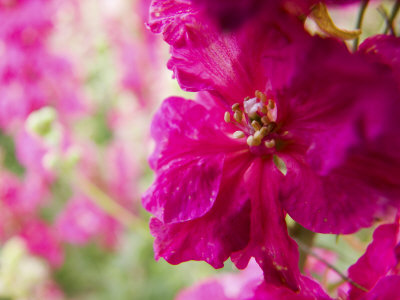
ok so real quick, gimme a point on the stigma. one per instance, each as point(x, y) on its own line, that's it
point(256, 119)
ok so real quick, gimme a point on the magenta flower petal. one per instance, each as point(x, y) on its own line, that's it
point(310, 291)
point(230, 13)
point(270, 244)
point(207, 290)
point(379, 259)
point(188, 153)
point(170, 18)
point(337, 102)
point(327, 203)
point(384, 49)
point(387, 288)
point(212, 237)
point(316, 135)
point(203, 58)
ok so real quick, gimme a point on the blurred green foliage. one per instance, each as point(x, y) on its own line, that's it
point(7, 149)
point(128, 272)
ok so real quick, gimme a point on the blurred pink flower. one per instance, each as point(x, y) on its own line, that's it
point(82, 221)
point(122, 174)
point(26, 23)
point(42, 240)
point(248, 285)
point(31, 75)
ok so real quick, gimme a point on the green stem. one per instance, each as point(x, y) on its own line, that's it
point(306, 237)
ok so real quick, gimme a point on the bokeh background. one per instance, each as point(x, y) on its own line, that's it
point(79, 83)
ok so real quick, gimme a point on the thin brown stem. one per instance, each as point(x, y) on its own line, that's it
point(109, 205)
point(390, 19)
point(360, 19)
point(386, 17)
point(308, 250)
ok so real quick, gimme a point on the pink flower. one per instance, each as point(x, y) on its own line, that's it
point(82, 221)
point(315, 136)
point(20, 199)
point(122, 174)
point(378, 269)
point(25, 22)
point(31, 75)
point(42, 240)
point(30, 151)
point(384, 49)
point(247, 284)
point(230, 14)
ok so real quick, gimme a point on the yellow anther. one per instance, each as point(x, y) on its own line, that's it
point(238, 116)
point(258, 136)
point(271, 127)
point(265, 120)
point(253, 141)
point(227, 117)
point(270, 115)
point(264, 110)
point(257, 139)
point(261, 96)
point(270, 143)
point(285, 133)
point(246, 98)
point(263, 131)
point(271, 104)
point(235, 106)
point(238, 134)
point(250, 140)
point(256, 125)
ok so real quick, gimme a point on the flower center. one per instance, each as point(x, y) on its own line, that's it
point(256, 119)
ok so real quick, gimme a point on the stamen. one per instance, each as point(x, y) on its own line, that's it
point(256, 120)
point(238, 134)
point(264, 109)
point(270, 143)
point(256, 125)
point(256, 140)
point(261, 96)
point(265, 120)
point(263, 131)
point(227, 117)
point(271, 104)
point(253, 141)
point(271, 127)
point(258, 135)
point(238, 116)
point(270, 115)
point(250, 140)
